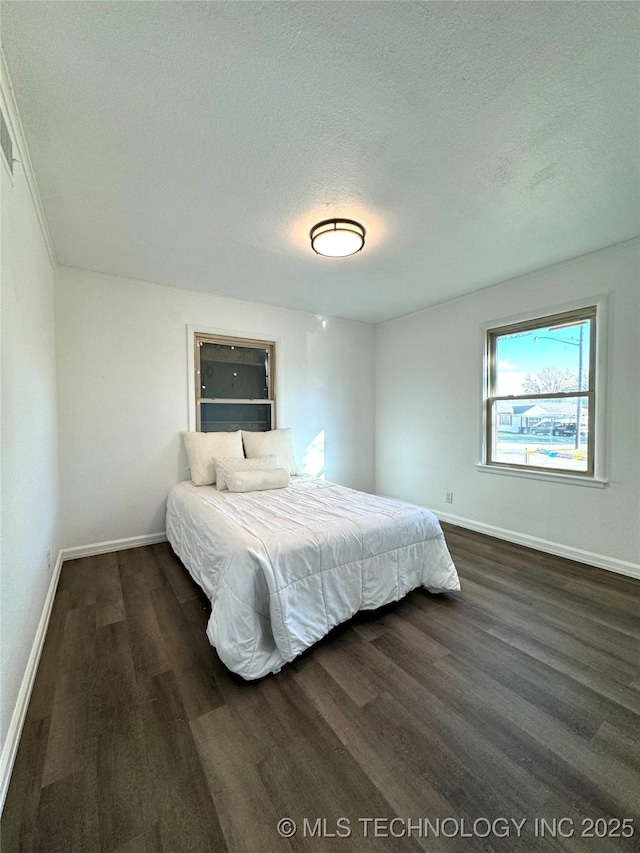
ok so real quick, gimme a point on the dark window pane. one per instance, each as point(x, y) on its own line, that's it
point(226, 417)
point(233, 372)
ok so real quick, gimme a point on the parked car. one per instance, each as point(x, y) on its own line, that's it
point(569, 429)
point(549, 427)
point(543, 428)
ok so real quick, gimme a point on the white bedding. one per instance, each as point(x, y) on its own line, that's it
point(283, 567)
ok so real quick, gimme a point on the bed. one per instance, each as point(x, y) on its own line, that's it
point(282, 567)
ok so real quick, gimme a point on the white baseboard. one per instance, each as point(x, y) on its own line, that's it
point(620, 567)
point(113, 545)
point(10, 747)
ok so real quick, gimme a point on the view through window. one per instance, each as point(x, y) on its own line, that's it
point(540, 399)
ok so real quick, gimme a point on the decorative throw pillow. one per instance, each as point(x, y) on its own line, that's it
point(203, 446)
point(224, 467)
point(258, 481)
point(278, 441)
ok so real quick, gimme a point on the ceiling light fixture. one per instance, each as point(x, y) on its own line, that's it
point(337, 238)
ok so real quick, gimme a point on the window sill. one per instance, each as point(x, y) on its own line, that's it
point(548, 476)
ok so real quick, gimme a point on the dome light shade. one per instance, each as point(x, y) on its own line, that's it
point(337, 238)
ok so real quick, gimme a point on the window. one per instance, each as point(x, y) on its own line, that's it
point(540, 400)
point(234, 382)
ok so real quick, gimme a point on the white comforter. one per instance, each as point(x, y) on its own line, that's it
point(283, 567)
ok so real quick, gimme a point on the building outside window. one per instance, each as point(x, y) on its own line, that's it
point(541, 393)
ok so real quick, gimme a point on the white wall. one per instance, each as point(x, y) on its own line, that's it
point(428, 401)
point(29, 464)
point(122, 392)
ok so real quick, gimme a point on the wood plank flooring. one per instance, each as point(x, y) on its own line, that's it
point(518, 698)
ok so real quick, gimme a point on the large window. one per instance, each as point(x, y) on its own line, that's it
point(540, 400)
point(234, 384)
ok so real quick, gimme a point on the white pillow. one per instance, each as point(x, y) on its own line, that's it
point(203, 446)
point(224, 467)
point(258, 481)
point(278, 441)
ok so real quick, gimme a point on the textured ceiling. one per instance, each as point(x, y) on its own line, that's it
point(194, 144)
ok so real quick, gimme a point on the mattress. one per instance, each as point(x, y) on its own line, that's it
point(282, 567)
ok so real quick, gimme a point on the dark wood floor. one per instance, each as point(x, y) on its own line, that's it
point(517, 698)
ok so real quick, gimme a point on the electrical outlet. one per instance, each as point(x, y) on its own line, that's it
point(449, 497)
point(49, 558)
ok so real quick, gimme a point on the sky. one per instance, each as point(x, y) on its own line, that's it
point(520, 354)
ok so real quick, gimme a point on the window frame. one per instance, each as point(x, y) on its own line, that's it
point(198, 337)
point(592, 311)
